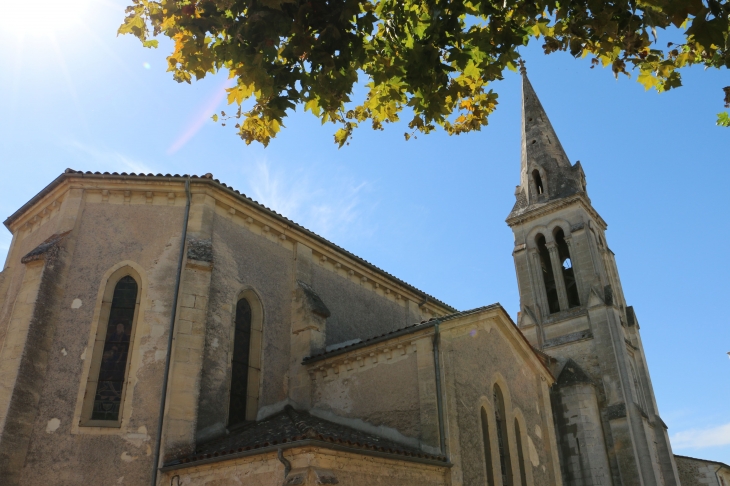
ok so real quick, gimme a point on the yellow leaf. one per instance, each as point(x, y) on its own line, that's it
point(240, 93)
point(648, 80)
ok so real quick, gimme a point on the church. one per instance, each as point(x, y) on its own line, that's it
point(169, 330)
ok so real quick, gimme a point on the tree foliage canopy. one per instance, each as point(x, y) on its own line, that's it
point(433, 58)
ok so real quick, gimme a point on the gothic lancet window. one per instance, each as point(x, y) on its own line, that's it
point(520, 454)
point(505, 463)
point(487, 448)
point(538, 181)
point(566, 264)
point(547, 275)
point(110, 362)
point(240, 364)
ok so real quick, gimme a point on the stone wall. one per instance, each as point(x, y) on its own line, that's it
point(107, 234)
point(384, 394)
point(358, 311)
point(479, 353)
point(244, 260)
point(697, 472)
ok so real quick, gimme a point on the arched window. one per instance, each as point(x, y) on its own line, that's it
point(239, 369)
point(571, 288)
point(110, 359)
point(538, 181)
point(505, 462)
point(520, 454)
point(547, 275)
point(487, 448)
point(245, 360)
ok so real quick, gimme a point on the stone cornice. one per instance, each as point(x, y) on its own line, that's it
point(552, 206)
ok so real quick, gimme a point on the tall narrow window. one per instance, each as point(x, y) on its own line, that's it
point(240, 362)
point(110, 359)
point(505, 463)
point(566, 264)
point(547, 275)
point(520, 454)
point(487, 448)
point(538, 181)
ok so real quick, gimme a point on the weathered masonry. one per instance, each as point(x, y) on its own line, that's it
point(168, 330)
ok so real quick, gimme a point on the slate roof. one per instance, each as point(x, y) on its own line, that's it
point(208, 178)
point(398, 332)
point(292, 428)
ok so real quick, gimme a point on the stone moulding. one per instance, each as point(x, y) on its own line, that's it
point(553, 206)
point(568, 338)
point(46, 250)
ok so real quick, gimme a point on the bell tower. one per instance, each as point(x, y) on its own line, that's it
point(572, 309)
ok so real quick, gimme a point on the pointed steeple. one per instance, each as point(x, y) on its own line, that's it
point(546, 172)
point(539, 141)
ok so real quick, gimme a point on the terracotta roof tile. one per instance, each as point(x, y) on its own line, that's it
point(294, 426)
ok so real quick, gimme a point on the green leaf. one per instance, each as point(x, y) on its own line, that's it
point(723, 119)
point(432, 58)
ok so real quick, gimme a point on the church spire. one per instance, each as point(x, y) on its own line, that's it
point(539, 140)
point(546, 173)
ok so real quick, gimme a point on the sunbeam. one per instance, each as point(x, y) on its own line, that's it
point(42, 17)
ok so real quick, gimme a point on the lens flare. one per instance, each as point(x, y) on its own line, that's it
point(41, 18)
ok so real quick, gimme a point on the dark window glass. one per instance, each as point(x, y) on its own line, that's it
point(547, 275)
point(571, 288)
point(487, 448)
point(110, 385)
point(239, 373)
point(538, 181)
point(520, 455)
point(504, 460)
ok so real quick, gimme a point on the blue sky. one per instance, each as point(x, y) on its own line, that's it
point(431, 210)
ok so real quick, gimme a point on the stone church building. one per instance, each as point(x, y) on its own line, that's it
point(168, 330)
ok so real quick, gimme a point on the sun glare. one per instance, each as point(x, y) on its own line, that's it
point(41, 18)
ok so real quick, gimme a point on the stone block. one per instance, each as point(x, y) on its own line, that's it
point(201, 302)
point(192, 314)
point(187, 300)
